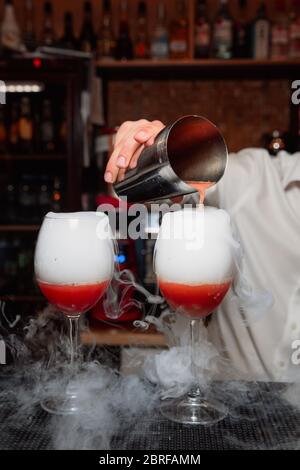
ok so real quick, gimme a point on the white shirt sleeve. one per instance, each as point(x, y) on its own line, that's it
point(243, 170)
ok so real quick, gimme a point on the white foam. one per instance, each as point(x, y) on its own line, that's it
point(195, 246)
point(74, 248)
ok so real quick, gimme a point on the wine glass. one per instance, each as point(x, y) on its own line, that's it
point(74, 263)
point(194, 265)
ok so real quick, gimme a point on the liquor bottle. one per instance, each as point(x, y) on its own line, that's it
point(13, 131)
point(29, 37)
point(28, 198)
point(48, 35)
point(223, 33)
point(202, 31)
point(3, 131)
point(44, 196)
point(276, 143)
point(160, 38)
point(87, 38)
point(241, 33)
point(11, 202)
point(106, 44)
point(295, 30)
point(68, 40)
point(57, 195)
point(261, 35)
point(25, 126)
point(10, 31)
point(124, 47)
point(280, 33)
point(179, 33)
point(62, 132)
point(141, 43)
point(47, 137)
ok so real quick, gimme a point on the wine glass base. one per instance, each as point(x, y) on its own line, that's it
point(61, 406)
point(193, 410)
point(67, 403)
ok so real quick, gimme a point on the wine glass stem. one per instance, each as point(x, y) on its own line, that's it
point(194, 331)
point(74, 341)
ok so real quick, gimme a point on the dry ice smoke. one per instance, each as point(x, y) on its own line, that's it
point(115, 305)
point(111, 405)
point(57, 258)
point(115, 404)
point(121, 409)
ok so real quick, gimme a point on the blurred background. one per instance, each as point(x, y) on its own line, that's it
point(75, 70)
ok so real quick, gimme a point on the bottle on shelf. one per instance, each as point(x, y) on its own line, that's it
point(87, 38)
point(57, 195)
point(28, 207)
point(105, 47)
point(11, 198)
point(241, 33)
point(280, 33)
point(261, 34)
point(25, 126)
point(276, 143)
point(68, 40)
point(29, 36)
point(3, 131)
point(47, 134)
point(223, 33)
point(62, 132)
point(13, 129)
point(141, 44)
point(295, 30)
point(202, 31)
point(160, 37)
point(48, 35)
point(179, 33)
point(10, 30)
point(124, 46)
point(44, 196)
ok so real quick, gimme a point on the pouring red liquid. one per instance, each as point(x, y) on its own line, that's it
point(73, 299)
point(201, 187)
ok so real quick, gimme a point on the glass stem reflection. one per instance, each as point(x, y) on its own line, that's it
point(74, 342)
point(195, 333)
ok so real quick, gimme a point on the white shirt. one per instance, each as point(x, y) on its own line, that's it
point(262, 195)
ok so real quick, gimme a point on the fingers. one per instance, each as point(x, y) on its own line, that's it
point(144, 134)
point(121, 175)
point(127, 149)
point(136, 156)
point(149, 132)
point(131, 139)
point(112, 169)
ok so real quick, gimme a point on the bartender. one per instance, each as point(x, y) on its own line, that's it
point(262, 195)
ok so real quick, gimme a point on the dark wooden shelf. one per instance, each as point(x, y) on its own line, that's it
point(34, 157)
point(19, 228)
point(199, 69)
point(197, 63)
point(122, 335)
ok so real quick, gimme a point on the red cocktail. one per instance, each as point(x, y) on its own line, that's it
point(195, 267)
point(73, 299)
point(196, 301)
point(74, 263)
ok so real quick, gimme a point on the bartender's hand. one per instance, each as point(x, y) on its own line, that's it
point(131, 139)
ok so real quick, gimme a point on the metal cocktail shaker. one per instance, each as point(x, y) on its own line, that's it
point(191, 149)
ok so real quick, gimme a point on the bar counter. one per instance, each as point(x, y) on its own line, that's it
point(264, 421)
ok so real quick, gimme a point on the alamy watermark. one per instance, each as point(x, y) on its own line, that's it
point(296, 354)
point(2, 352)
point(138, 221)
point(2, 92)
point(296, 93)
